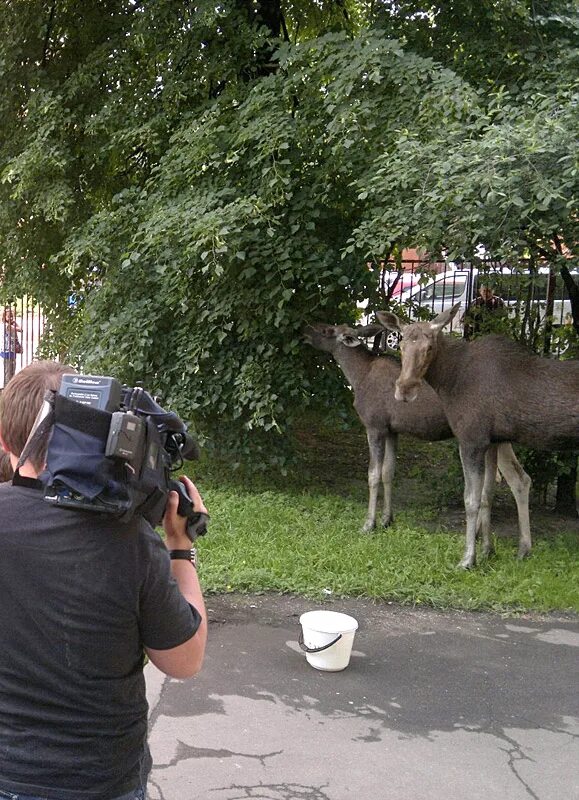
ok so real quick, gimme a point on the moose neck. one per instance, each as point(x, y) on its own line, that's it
point(353, 362)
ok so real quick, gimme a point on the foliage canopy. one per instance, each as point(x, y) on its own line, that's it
point(183, 186)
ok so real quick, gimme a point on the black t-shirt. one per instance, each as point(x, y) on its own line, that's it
point(80, 594)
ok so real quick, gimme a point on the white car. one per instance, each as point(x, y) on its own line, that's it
point(449, 288)
point(444, 290)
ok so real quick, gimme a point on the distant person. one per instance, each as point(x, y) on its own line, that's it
point(12, 345)
point(479, 317)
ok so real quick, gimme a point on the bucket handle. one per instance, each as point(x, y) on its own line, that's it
point(307, 649)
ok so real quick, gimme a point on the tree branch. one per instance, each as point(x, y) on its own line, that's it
point(284, 28)
point(573, 292)
point(547, 254)
point(342, 6)
point(44, 60)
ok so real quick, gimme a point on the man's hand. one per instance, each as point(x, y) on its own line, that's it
point(184, 660)
point(175, 526)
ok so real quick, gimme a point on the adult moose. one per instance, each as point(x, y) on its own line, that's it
point(373, 380)
point(492, 390)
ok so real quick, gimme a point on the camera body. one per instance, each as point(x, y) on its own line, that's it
point(112, 449)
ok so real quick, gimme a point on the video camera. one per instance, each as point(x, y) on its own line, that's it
point(112, 449)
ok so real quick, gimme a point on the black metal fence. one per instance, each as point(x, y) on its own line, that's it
point(534, 302)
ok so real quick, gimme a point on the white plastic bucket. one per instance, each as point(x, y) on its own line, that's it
point(327, 638)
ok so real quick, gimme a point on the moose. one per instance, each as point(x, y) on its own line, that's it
point(373, 380)
point(492, 390)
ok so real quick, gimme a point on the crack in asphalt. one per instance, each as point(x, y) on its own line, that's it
point(516, 753)
point(277, 791)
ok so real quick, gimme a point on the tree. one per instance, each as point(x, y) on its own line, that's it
point(203, 186)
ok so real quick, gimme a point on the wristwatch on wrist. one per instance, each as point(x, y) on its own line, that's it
point(185, 555)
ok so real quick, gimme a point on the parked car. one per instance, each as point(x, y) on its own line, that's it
point(401, 280)
point(518, 289)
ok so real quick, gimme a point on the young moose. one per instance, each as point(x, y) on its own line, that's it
point(373, 379)
point(492, 390)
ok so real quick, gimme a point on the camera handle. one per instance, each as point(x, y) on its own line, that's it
point(196, 520)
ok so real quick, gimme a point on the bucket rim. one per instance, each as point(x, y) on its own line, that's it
point(335, 622)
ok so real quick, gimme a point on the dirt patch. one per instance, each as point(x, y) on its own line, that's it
point(276, 609)
point(428, 481)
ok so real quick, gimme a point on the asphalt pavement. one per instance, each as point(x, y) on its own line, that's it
point(432, 706)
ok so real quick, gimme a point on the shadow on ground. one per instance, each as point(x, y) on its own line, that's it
point(428, 481)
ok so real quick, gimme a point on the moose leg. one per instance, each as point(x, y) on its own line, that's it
point(388, 469)
point(486, 503)
point(473, 466)
point(376, 442)
point(520, 485)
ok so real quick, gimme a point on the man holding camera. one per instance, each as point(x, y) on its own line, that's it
point(85, 597)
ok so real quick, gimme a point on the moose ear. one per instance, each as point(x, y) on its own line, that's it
point(365, 331)
point(349, 339)
point(390, 321)
point(442, 320)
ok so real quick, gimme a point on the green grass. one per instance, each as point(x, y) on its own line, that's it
point(300, 533)
point(310, 545)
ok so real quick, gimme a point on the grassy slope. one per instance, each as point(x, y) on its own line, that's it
point(301, 533)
